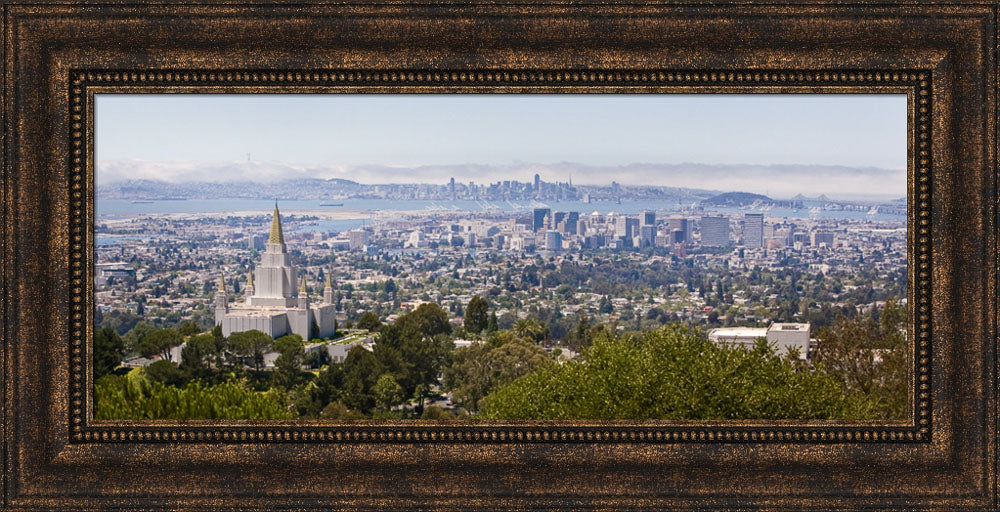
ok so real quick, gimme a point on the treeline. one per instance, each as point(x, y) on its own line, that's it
point(860, 370)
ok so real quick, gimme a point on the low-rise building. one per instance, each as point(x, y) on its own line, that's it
point(782, 336)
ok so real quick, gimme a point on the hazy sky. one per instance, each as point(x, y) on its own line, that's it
point(411, 130)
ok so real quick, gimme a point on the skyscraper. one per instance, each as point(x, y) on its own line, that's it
point(753, 230)
point(553, 241)
point(648, 218)
point(714, 231)
point(451, 186)
point(539, 217)
point(538, 182)
point(676, 222)
point(572, 223)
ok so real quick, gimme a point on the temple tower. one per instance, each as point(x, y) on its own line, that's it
point(275, 280)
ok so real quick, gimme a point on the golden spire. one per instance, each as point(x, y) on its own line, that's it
point(222, 283)
point(276, 236)
point(250, 277)
point(302, 289)
point(329, 283)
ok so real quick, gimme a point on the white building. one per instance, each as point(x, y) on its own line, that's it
point(416, 240)
point(272, 304)
point(782, 336)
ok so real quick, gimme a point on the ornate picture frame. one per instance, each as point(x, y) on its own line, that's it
point(56, 57)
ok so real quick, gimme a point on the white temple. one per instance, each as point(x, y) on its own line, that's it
point(272, 305)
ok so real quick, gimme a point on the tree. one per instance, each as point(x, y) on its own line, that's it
point(166, 372)
point(531, 329)
point(491, 325)
point(188, 328)
point(291, 357)
point(109, 348)
point(159, 342)
point(136, 397)
point(605, 306)
point(428, 319)
point(674, 373)
point(413, 358)
point(478, 369)
point(388, 392)
point(870, 356)
point(198, 353)
point(134, 336)
point(250, 346)
point(369, 321)
point(360, 373)
point(476, 318)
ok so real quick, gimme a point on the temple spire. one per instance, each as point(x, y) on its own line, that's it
point(222, 283)
point(329, 282)
point(277, 237)
point(302, 289)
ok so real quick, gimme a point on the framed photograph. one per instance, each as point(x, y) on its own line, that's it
point(470, 255)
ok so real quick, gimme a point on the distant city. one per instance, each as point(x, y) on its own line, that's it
point(447, 243)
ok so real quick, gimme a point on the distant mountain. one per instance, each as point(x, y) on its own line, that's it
point(288, 189)
point(782, 181)
point(736, 199)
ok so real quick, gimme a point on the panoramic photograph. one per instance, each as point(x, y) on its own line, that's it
point(482, 257)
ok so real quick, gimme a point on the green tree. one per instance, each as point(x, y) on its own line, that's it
point(413, 358)
point(198, 354)
point(531, 329)
point(291, 356)
point(673, 373)
point(491, 325)
point(135, 335)
point(188, 328)
point(360, 373)
point(388, 392)
point(136, 397)
point(478, 369)
point(870, 356)
point(250, 346)
point(428, 319)
point(476, 315)
point(159, 342)
point(369, 321)
point(605, 306)
point(109, 348)
point(166, 372)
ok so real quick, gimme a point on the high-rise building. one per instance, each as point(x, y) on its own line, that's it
point(553, 241)
point(753, 230)
point(557, 218)
point(451, 186)
point(572, 223)
point(539, 217)
point(633, 226)
point(648, 235)
point(358, 238)
point(538, 183)
point(822, 237)
point(626, 227)
point(714, 231)
point(255, 242)
point(676, 222)
point(648, 218)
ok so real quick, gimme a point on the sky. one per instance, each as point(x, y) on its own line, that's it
point(175, 133)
